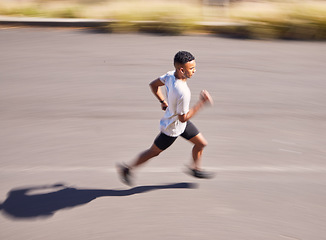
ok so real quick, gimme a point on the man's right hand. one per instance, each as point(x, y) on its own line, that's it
point(164, 105)
point(206, 97)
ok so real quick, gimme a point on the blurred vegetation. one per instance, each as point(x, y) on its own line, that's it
point(287, 19)
point(282, 19)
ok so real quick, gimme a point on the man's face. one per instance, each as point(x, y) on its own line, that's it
point(189, 69)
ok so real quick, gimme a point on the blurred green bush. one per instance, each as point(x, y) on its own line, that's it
point(272, 19)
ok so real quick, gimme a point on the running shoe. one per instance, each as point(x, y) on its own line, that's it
point(201, 174)
point(125, 174)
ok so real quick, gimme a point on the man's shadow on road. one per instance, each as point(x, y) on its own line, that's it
point(21, 203)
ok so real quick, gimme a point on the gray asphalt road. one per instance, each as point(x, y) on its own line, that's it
point(74, 103)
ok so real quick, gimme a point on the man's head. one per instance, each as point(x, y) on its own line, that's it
point(185, 65)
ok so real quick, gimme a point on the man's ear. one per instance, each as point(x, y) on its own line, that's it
point(182, 70)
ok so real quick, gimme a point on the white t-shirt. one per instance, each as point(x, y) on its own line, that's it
point(178, 99)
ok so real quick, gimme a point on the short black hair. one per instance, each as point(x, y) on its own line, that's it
point(183, 57)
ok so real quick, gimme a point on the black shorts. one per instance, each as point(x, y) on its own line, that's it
point(163, 141)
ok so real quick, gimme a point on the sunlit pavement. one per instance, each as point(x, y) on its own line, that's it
point(73, 104)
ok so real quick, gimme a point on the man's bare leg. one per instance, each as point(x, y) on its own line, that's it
point(153, 151)
point(125, 170)
point(197, 151)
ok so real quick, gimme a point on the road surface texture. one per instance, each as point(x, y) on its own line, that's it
point(74, 103)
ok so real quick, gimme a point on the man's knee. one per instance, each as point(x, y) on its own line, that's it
point(205, 143)
point(199, 141)
point(202, 144)
point(155, 151)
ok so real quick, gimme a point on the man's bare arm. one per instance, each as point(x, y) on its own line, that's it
point(204, 97)
point(155, 87)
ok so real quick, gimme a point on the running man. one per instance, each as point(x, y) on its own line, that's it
point(175, 121)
